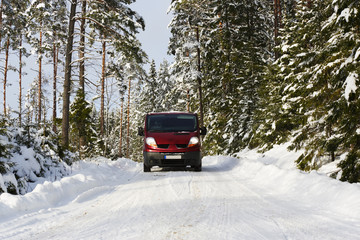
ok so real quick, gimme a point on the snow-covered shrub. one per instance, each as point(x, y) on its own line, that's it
point(31, 157)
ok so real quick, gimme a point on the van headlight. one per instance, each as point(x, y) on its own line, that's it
point(151, 142)
point(193, 141)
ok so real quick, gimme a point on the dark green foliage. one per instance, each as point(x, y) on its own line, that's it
point(304, 162)
point(332, 115)
point(82, 126)
point(3, 168)
point(351, 168)
point(11, 188)
point(332, 145)
point(3, 149)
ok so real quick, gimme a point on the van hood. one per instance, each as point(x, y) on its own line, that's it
point(171, 137)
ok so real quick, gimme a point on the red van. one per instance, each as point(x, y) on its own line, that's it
point(172, 139)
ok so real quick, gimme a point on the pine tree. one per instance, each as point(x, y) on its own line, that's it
point(333, 124)
point(317, 94)
point(313, 92)
point(183, 45)
point(150, 91)
point(276, 118)
point(233, 44)
point(157, 93)
point(244, 69)
point(346, 80)
point(166, 98)
point(81, 122)
point(151, 88)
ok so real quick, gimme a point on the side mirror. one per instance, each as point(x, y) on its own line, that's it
point(203, 131)
point(141, 131)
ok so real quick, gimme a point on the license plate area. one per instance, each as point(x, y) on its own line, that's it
point(173, 157)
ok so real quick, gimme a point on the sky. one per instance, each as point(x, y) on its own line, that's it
point(155, 38)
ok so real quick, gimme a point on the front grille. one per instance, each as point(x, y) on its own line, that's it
point(173, 161)
point(164, 146)
point(181, 145)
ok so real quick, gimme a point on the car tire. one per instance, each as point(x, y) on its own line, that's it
point(146, 168)
point(197, 168)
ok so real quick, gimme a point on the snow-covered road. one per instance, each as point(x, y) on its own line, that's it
point(250, 197)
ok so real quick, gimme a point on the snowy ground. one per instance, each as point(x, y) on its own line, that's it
point(253, 196)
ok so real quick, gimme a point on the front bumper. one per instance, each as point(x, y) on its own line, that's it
point(163, 159)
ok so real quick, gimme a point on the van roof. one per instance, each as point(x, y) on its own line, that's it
point(169, 113)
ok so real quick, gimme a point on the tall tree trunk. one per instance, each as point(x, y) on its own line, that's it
point(67, 80)
point(5, 72)
point(121, 131)
point(1, 9)
point(277, 24)
point(128, 122)
point(55, 68)
point(102, 108)
point(20, 82)
point(82, 138)
point(199, 79)
point(82, 48)
point(188, 100)
point(40, 80)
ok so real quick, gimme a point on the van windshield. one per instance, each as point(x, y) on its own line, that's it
point(171, 123)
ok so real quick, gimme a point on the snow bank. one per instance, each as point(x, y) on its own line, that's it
point(276, 167)
point(86, 180)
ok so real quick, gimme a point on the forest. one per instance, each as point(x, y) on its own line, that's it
point(258, 73)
